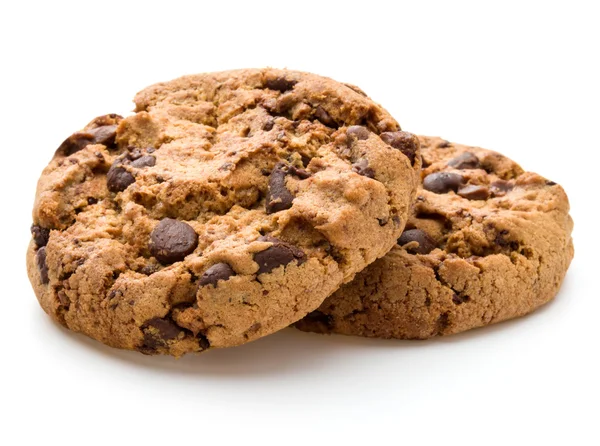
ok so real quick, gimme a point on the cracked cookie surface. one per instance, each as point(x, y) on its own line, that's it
point(486, 242)
point(227, 207)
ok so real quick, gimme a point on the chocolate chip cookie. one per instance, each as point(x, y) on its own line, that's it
point(228, 206)
point(486, 242)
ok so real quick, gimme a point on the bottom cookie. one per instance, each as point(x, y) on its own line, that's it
point(486, 242)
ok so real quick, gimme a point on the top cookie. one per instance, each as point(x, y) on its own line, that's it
point(486, 242)
point(229, 206)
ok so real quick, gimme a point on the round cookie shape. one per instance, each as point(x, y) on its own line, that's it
point(486, 242)
point(229, 206)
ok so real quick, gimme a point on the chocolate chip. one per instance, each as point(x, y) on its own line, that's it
point(172, 240)
point(500, 188)
point(118, 179)
point(550, 183)
point(157, 331)
point(268, 125)
point(465, 160)
point(358, 132)
point(361, 167)
point(442, 182)
point(106, 120)
point(279, 253)
point(426, 243)
point(300, 173)
point(133, 153)
point(104, 135)
point(406, 142)
point(474, 192)
point(325, 118)
point(75, 143)
point(280, 84)
point(167, 329)
point(92, 200)
point(144, 161)
point(63, 298)
point(502, 240)
point(444, 144)
point(150, 269)
point(40, 235)
point(40, 259)
point(115, 294)
point(219, 271)
point(279, 198)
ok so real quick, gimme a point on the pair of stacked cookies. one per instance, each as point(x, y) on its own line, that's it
point(234, 204)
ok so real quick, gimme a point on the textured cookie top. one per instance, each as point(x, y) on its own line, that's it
point(229, 205)
point(475, 202)
point(486, 241)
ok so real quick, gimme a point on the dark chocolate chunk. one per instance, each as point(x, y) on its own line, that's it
point(474, 192)
point(40, 259)
point(63, 298)
point(75, 143)
point(444, 144)
point(268, 125)
point(503, 241)
point(166, 329)
point(150, 269)
point(465, 160)
point(500, 188)
point(172, 240)
point(219, 271)
point(106, 120)
point(101, 134)
point(279, 253)
point(324, 117)
point(358, 132)
point(300, 173)
point(144, 161)
point(279, 198)
point(104, 135)
point(92, 200)
point(550, 183)
point(133, 153)
point(280, 84)
point(426, 243)
point(361, 167)
point(157, 332)
point(406, 142)
point(118, 179)
point(40, 235)
point(442, 182)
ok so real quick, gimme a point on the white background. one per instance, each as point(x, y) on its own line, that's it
point(521, 78)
